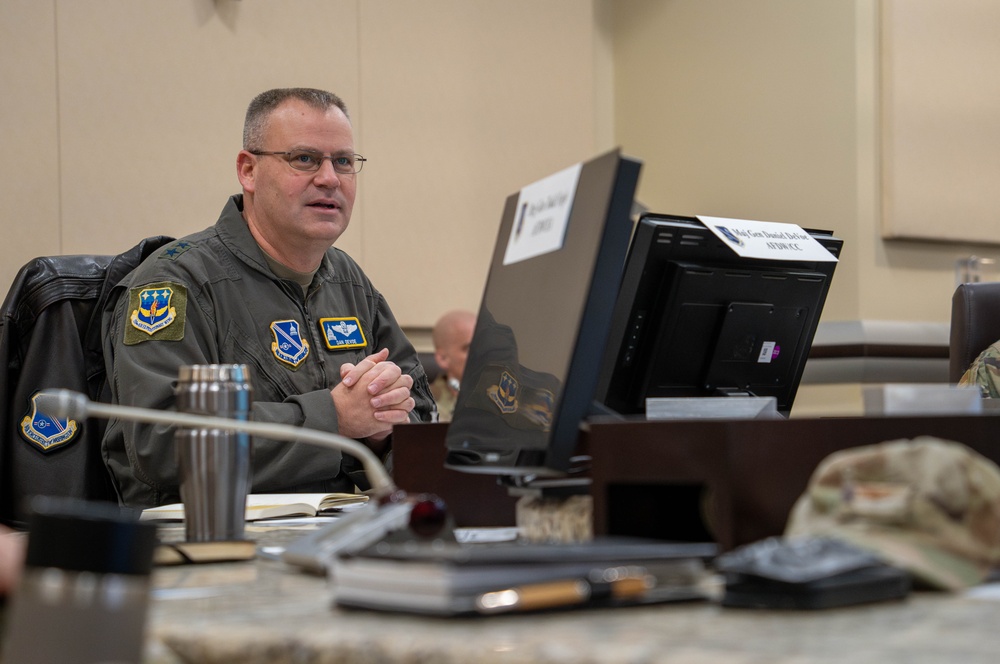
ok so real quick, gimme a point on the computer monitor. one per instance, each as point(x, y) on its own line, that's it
point(696, 319)
point(543, 323)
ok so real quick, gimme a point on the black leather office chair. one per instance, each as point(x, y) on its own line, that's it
point(430, 365)
point(975, 324)
point(50, 336)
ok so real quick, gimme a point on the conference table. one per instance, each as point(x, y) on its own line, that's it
point(262, 610)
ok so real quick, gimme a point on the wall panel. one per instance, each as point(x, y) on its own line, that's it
point(464, 103)
point(29, 169)
point(152, 98)
point(941, 120)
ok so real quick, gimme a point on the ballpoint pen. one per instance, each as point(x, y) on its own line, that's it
point(616, 583)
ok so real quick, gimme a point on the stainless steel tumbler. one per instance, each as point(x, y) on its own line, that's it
point(214, 464)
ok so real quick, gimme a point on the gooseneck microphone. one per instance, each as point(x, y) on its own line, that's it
point(390, 510)
point(67, 404)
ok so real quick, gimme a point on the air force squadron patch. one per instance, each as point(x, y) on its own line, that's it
point(537, 407)
point(288, 345)
point(504, 394)
point(47, 432)
point(341, 333)
point(156, 312)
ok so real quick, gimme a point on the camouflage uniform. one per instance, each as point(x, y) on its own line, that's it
point(444, 398)
point(219, 302)
point(984, 372)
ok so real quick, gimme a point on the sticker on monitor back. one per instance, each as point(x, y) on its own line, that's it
point(542, 215)
point(769, 351)
point(768, 239)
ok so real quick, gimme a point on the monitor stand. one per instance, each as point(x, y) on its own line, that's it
point(554, 509)
point(730, 404)
point(603, 411)
point(548, 487)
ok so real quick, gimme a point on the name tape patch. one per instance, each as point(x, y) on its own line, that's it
point(341, 333)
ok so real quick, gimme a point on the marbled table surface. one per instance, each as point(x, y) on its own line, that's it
point(262, 611)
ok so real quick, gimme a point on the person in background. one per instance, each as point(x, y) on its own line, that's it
point(266, 288)
point(452, 335)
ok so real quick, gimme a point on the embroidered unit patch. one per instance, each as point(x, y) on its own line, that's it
point(154, 311)
point(538, 408)
point(504, 395)
point(157, 312)
point(46, 432)
point(340, 333)
point(288, 345)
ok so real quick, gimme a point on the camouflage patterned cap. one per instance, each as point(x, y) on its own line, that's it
point(929, 506)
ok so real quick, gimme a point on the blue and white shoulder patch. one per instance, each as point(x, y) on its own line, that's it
point(288, 345)
point(46, 433)
point(504, 393)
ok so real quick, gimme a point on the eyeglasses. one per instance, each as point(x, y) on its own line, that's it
point(310, 161)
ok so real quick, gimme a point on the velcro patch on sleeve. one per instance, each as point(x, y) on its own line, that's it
point(156, 313)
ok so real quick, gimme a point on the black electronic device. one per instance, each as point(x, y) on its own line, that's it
point(807, 573)
point(696, 319)
point(543, 323)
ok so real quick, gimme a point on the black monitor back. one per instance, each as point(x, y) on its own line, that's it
point(693, 318)
point(543, 325)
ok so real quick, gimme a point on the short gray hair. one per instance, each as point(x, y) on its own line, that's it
point(260, 109)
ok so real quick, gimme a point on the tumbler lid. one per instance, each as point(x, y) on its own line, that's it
point(209, 373)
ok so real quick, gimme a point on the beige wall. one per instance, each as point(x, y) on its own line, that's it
point(29, 165)
point(772, 110)
point(940, 105)
point(122, 119)
point(747, 110)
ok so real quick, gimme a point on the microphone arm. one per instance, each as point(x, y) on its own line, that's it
point(67, 404)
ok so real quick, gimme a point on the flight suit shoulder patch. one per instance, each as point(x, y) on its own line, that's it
point(156, 312)
point(44, 431)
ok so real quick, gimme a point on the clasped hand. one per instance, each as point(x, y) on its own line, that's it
point(372, 395)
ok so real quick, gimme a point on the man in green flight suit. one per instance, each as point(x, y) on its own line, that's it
point(265, 287)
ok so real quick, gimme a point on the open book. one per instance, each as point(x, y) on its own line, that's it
point(272, 506)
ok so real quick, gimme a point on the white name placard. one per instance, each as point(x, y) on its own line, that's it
point(768, 239)
point(542, 216)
